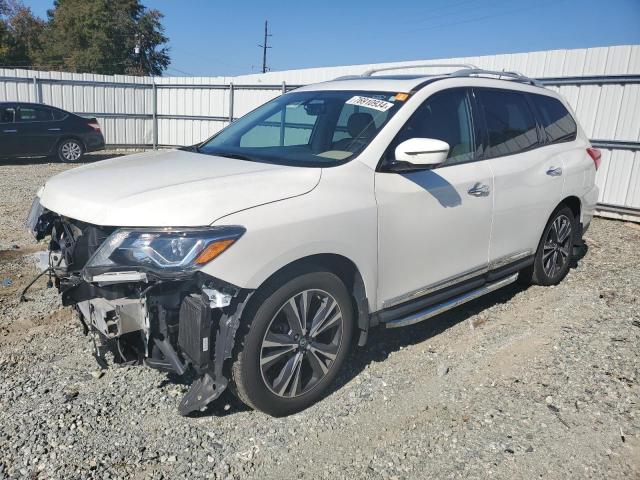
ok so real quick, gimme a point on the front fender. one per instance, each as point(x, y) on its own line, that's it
point(338, 217)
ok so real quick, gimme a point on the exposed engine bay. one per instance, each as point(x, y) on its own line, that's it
point(172, 322)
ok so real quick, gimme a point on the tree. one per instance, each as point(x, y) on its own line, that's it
point(20, 34)
point(149, 34)
point(106, 36)
point(5, 35)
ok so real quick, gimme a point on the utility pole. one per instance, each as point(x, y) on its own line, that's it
point(265, 46)
point(137, 49)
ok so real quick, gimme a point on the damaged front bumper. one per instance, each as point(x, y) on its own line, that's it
point(173, 328)
point(174, 323)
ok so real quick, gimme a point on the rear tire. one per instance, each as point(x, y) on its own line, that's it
point(284, 365)
point(555, 250)
point(70, 150)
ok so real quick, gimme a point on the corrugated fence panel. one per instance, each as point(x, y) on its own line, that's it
point(607, 112)
point(247, 100)
point(633, 194)
point(628, 121)
point(614, 175)
point(124, 105)
point(190, 133)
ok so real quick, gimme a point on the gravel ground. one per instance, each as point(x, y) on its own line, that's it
point(542, 382)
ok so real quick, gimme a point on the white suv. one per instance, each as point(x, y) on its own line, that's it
point(261, 255)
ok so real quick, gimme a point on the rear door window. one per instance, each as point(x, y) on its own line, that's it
point(34, 114)
point(559, 125)
point(510, 124)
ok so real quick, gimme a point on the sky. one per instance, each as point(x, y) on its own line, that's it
point(210, 37)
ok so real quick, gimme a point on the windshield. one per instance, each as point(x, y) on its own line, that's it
point(311, 129)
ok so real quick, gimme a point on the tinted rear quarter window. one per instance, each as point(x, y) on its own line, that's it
point(556, 120)
point(59, 114)
point(510, 124)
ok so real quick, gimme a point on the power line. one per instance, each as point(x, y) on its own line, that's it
point(481, 18)
point(180, 71)
point(265, 46)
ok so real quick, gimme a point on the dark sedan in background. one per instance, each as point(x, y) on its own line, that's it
point(36, 130)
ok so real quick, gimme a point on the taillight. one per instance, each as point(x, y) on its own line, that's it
point(93, 123)
point(595, 155)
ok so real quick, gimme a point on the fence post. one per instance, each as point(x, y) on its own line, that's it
point(155, 114)
point(231, 102)
point(36, 91)
point(284, 87)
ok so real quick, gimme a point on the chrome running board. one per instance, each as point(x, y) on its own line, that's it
point(452, 303)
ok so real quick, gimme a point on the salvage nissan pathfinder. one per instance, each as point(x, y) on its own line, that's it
point(259, 257)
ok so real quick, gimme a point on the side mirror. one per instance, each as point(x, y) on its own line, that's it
point(421, 153)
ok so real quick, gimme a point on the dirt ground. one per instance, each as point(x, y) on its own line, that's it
point(524, 383)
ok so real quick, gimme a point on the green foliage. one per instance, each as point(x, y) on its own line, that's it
point(97, 36)
point(20, 34)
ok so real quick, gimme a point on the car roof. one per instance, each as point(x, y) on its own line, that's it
point(412, 83)
point(31, 104)
point(378, 83)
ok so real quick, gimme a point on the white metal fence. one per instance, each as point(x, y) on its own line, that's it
point(602, 85)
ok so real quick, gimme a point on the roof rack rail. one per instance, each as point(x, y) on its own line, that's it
point(468, 66)
point(516, 76)
point(346, 77)
point(466, 70)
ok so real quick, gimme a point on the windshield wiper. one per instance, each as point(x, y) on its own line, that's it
point(237, 156)
point(190, 148)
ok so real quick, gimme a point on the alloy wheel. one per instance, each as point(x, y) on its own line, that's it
point(557, 245)
point(71, 151)
point(301, 343)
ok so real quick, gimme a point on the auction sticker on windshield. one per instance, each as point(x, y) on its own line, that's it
point(367, 102)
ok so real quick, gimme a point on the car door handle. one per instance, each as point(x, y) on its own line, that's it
point(53, 129)
point(10, 131)
point(479, 190)
point(554, 171)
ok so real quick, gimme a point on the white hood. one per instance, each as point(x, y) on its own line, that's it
point(171, 189)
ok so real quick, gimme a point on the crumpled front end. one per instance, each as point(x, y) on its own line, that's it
point(141, 295)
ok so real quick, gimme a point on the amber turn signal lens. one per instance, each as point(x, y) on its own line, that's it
point(212, 251)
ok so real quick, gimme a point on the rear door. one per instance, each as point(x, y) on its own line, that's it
point(434, 225)
point(527, 180)
point(37, 128)
point(8, 131)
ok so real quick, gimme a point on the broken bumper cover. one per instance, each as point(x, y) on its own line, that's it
point(206, 326)
point(141, 294)
point(173, 328)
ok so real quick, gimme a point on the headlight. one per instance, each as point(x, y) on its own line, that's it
point(165, 252)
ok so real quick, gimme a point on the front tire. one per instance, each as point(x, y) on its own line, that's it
point(298, 331)
point(70, 150)
point(555, 250)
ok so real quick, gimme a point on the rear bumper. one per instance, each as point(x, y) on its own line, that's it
point(589, 202)
point(94, 142)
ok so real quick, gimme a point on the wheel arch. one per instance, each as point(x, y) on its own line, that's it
point(346, 270)
point(574, 204)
